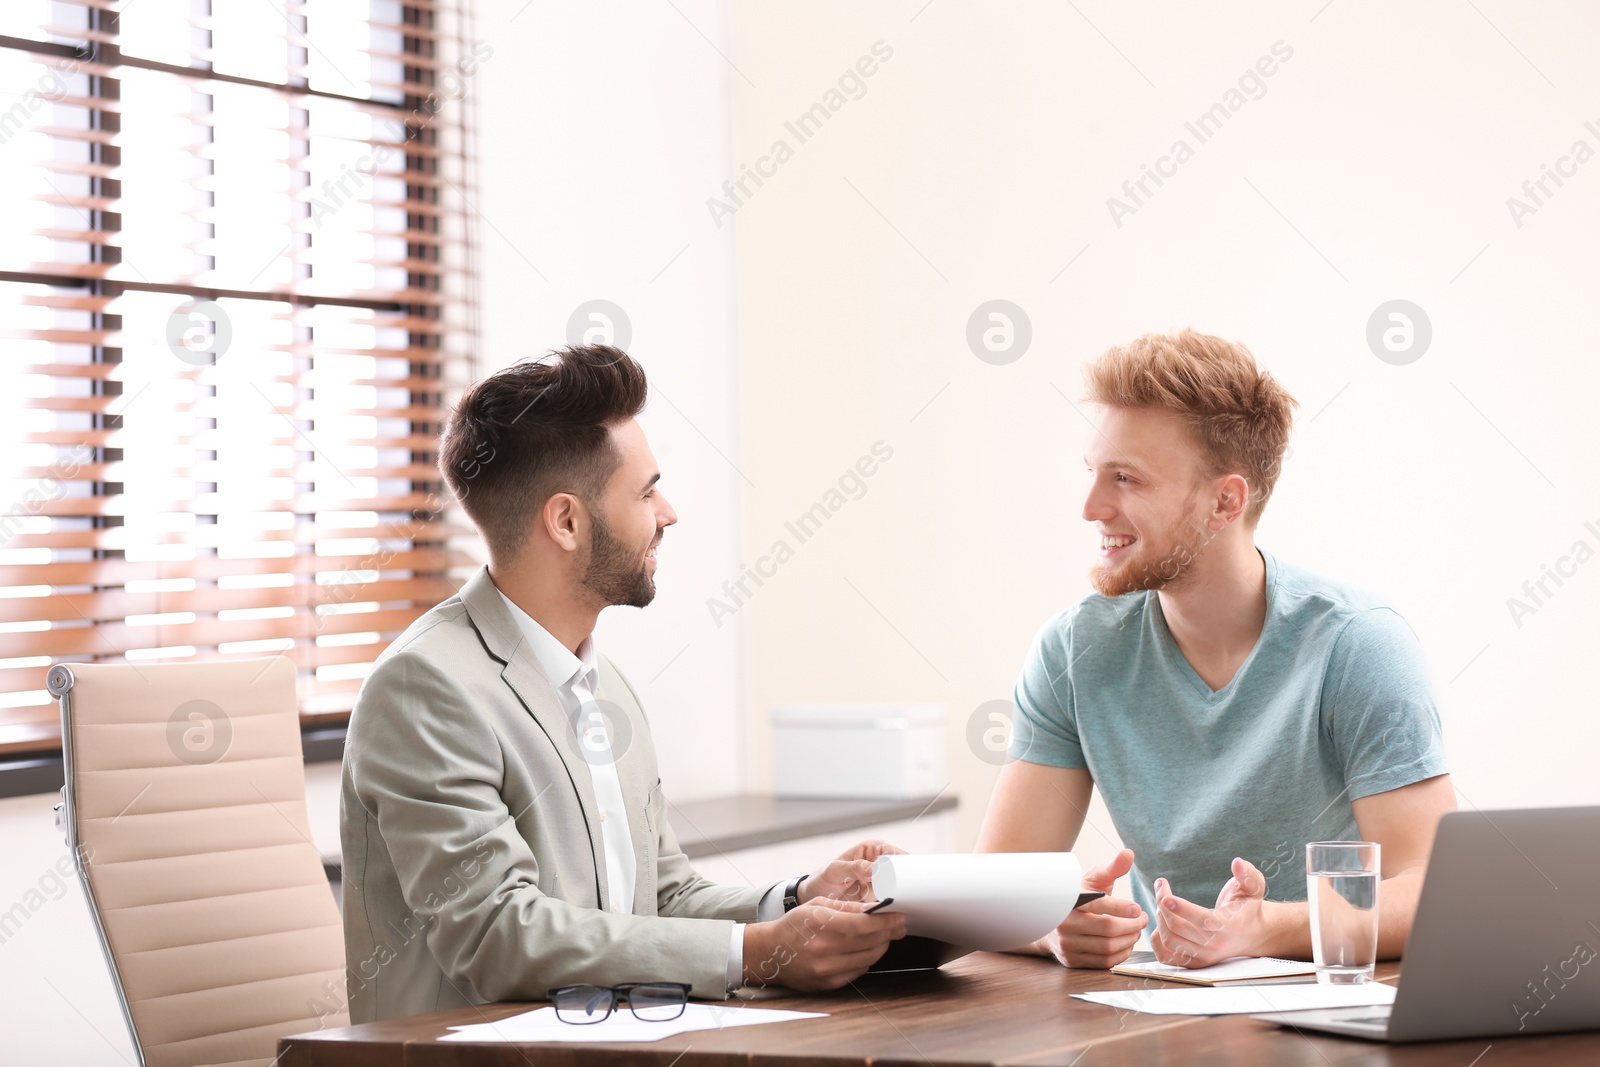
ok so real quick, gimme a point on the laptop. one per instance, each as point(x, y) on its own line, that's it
point(1506, 938)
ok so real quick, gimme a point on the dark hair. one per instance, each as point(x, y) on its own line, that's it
point(537, 428)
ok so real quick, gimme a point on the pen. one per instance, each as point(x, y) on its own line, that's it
point(884, 903)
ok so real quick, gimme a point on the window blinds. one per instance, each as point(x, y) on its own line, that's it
point(236, 295)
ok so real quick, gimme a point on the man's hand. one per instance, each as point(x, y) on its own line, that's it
point(1102, 932)
point(849, 877)
point(823, 944)
point(1188, 935)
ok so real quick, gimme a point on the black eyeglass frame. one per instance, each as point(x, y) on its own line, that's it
point(617, 994)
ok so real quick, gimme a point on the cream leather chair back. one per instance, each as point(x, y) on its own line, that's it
point(186, 812)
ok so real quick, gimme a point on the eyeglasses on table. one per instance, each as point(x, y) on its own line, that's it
point(652, 1002)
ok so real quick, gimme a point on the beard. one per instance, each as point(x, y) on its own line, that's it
point(1162, 564)
point(613, 572)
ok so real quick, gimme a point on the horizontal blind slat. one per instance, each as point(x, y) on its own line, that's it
point(74, 607)
point(211, 535)
point(119, 572)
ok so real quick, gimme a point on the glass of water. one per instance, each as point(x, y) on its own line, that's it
point(1342, 888)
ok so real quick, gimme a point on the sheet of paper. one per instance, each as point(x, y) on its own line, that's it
point(1237, 969)
point(990, 901)
point(1241, 1000)
point(541, 1024)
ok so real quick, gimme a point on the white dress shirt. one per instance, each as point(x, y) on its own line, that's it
point(574, 678)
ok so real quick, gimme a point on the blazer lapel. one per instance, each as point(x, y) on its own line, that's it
point(504, 640)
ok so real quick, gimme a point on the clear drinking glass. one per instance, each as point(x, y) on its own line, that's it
point(1342, 888)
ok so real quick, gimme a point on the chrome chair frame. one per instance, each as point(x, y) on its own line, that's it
point(59, 683)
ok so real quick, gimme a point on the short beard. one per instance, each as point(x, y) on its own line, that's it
point(1165, 566)
point(611, 571)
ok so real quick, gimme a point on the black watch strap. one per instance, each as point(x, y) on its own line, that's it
point(791, 893)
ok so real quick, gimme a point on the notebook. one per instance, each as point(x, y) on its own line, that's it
point(1240, 970)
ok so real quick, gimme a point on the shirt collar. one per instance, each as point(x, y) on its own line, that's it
point(556, 662)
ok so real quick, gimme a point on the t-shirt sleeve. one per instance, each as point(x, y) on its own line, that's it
point(1045, 729)
point(1378, 706)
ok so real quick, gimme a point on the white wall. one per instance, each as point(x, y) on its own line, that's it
point(978, 165)
point(57, 1004)
point(602, 124)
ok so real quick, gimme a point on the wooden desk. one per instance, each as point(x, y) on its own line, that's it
point(982, 1009)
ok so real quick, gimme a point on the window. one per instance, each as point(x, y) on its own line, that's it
point(236, 296)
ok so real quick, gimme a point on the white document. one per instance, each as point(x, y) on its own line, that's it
point(541, 1024)
point(1238, 969)
point(1241, 1000)
point(989, 901)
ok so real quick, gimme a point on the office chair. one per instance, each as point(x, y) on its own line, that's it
point(185, 812)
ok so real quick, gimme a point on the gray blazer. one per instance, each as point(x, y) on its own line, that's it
point(473, 864)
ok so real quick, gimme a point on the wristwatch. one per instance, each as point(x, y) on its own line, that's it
point(791, 893)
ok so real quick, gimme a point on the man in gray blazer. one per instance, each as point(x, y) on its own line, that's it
point(503, 824)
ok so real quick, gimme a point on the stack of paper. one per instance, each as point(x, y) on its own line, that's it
point(1240, 970)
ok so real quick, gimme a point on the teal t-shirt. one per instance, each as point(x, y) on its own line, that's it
point(1333, 704)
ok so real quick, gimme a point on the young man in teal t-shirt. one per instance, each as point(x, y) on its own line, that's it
point(1230, 706)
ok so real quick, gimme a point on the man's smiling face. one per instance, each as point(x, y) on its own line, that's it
point(627, 524)
point(1149, 500)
